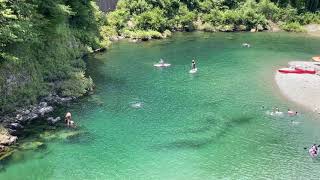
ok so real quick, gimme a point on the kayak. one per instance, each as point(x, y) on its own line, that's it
point(306, 71)
point(192, 71)
point(297, 70)
point(316, 58)
point(162, 65)
point(289, 70)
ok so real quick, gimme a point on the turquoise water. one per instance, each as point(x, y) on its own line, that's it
point(150, 123)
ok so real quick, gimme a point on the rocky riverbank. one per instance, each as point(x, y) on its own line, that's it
point(14, 124)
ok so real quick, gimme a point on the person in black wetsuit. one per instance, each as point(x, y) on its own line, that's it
point(193, 64)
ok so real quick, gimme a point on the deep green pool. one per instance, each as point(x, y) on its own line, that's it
point(210, 125)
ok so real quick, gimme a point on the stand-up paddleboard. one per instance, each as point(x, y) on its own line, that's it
point(162, 65)
point(192, 71)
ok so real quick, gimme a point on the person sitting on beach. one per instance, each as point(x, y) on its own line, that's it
point(193, 64)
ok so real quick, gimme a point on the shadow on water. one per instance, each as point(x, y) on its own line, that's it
point(217, 132)
point(97, 73)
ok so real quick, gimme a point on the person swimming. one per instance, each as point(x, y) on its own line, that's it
point(193, 64)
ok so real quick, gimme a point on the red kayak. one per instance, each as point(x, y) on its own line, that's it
point(289, 70)
point(297, 70)
point(306, 71)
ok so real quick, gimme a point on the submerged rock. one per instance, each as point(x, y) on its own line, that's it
point(60, 135)
point(32, 145)
point(7, 152)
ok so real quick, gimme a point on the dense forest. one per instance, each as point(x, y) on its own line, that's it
point(149, 18)
point(43, 42)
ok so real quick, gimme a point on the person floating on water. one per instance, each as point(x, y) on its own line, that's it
point(193, 64)
point(292, 113)
point(314, 149)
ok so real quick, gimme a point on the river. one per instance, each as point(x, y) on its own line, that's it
point(149, 123)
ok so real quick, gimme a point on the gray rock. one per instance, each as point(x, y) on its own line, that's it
point(45, 110)
point(19, 117)
point(26, 112)
point(260, 27)
point(43, 104)
point(32, 116)
point(16, 126)
point(52, 120)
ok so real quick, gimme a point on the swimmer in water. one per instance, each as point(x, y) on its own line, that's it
point(291, 113)
point(193, 64)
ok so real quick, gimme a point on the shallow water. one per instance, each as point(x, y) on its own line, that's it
point(149, 123)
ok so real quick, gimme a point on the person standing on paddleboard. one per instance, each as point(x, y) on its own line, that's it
point(193, 64)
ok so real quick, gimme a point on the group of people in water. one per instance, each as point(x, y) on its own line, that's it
point(276, 110)
point(313, 150)
point(161, 63)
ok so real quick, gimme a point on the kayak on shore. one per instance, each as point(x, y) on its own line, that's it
point(297, 70)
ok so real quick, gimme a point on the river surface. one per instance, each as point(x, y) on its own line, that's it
point(150, 123)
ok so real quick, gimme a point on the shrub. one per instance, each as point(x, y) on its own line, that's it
point(292, 27)
point(77, 85)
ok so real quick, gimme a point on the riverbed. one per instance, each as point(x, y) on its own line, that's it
point(165, 123)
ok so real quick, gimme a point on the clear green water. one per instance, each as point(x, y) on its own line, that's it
point(204, 126)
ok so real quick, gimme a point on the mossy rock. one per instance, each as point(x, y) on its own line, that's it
point(61, 135)
point(32, 145)
point(6, 153)
point(68, 134)
point(47, 135)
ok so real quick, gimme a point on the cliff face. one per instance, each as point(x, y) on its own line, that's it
point(107, 5)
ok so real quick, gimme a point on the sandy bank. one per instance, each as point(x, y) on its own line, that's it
point(303, 89)
point(313, 29)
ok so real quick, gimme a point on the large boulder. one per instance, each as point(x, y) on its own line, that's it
point(16, 126)
point(5, 138)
